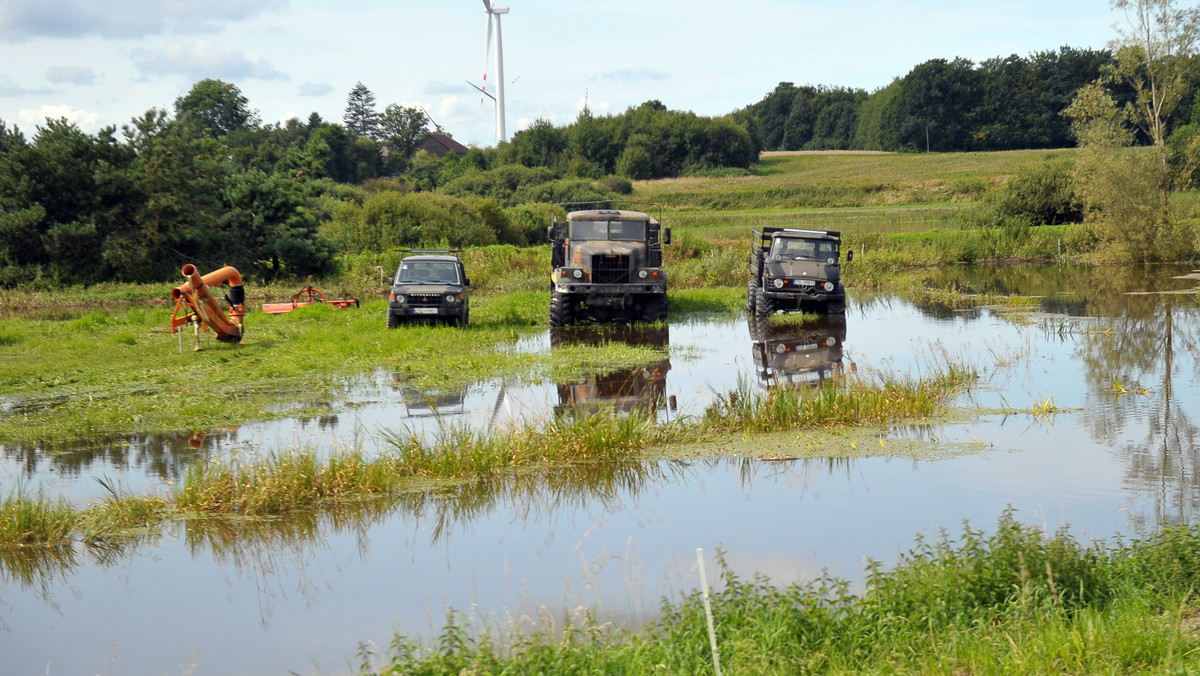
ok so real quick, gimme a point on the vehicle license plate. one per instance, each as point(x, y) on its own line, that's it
point(806, 282)
point(425, 311)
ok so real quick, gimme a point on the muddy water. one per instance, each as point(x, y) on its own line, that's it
point(1085, 417)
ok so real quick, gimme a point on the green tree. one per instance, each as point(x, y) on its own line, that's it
point(177, 175)
point(217, 107)
point(268, 226)
point(935, 104)
point(540, 145)
point(360, 116)
point(402, 128)
point(1127, 191)
point(1153, 58)
point(635, 162)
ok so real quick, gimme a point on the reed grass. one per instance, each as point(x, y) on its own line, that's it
point(27, 520)
point(1017, 600)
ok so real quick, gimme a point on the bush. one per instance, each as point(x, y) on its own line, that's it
point(1041, 194)
point(390, 219)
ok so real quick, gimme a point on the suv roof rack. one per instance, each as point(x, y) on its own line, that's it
point(429, 251)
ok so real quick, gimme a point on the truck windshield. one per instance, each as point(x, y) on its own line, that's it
point(626, 230)
point(427, 272)
point(809, 249)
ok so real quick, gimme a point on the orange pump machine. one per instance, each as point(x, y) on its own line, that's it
point(195, 304)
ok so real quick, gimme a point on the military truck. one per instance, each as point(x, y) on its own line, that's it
point(794, 269)
point(607, 265)
point(432, 286)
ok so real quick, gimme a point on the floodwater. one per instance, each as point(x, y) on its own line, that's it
point(1083, 419)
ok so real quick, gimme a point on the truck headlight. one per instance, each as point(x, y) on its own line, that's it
point(398, 298)
point(578, 274)
point(450, 298)
point(829, 286)
point(778, 283)
point(642, 274)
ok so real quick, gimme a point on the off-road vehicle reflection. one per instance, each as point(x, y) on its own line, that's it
point(426, 402)
point(642, 388)
point(807, 353)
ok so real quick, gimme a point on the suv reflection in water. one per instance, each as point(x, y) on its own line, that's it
point(642, 388)
point(797, 354)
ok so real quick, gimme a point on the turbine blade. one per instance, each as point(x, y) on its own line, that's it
point(487, 54)
point(487, 5)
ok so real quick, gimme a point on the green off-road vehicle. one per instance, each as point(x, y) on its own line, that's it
point(793, 269)
point(431, 286)
point(607, 266)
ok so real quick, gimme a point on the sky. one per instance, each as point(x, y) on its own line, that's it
point(104, 62)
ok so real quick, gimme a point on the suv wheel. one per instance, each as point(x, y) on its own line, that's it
point(392, 320)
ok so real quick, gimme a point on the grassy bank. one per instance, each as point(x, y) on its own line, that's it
point(1016, 600)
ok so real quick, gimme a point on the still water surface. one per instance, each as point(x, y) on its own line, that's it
point(302, 594)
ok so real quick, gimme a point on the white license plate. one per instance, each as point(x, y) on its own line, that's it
point(805, 282)
point(425, 311)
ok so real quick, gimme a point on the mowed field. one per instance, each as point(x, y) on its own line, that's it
point(857, 193)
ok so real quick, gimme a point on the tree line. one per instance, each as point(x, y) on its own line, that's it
point(209, 183)
point(1003, 103)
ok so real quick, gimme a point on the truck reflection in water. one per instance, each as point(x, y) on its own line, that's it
point(428, 402)
point(642, 388)
point(806, 353)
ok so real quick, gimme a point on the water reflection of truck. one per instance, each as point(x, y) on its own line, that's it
point(642, 388)
point(426, 402)
point(798, 354)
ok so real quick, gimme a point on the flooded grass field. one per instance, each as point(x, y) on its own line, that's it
point(1084, 416)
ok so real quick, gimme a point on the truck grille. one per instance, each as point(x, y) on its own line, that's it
point(610, 269)
point(424, 300)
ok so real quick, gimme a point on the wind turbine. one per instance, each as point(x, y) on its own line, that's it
point(493, 13)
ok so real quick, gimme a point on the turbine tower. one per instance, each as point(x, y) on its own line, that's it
point(493, 14)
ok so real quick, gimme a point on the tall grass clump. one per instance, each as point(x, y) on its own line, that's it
point(35, 521)
point(850, 400)
point(573, 437)
point(282, 484)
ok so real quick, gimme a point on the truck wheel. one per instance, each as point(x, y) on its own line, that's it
point(561, 311)
point(835, 307)
point(392, 320)
point(655, 309)
point(751, 292)
point(763, 306)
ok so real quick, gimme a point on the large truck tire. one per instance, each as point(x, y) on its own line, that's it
point(655, 309)
point(562, 311)
point(763, 306)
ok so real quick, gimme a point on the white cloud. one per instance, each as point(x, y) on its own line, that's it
point(314, 89)
point(22, 20)
point(88, 122)
point(10, 87)
point(631, 75)
point(203, 59)
point(71, 75)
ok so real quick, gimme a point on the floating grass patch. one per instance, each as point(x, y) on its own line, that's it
point(282, 484)
point(845, 401)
